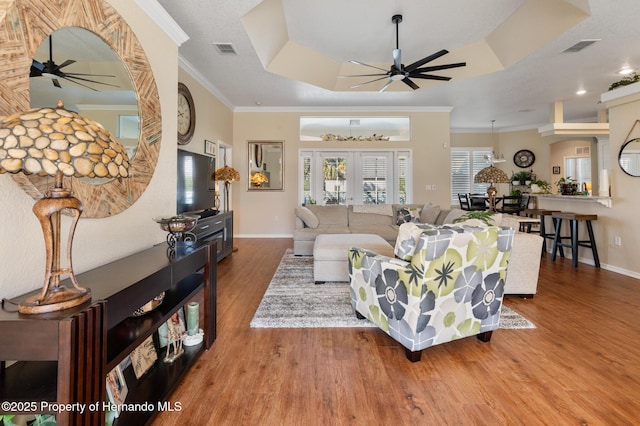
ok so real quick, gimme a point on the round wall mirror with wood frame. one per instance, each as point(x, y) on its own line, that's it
point(21, 32)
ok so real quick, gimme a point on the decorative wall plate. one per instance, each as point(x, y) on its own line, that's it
point(524, 158)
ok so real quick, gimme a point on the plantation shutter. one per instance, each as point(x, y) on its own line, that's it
point(374, 173)
point(465, 164)
point(460, 173)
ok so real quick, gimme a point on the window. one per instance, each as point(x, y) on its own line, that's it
point(578, 168)
point(355, 177)
point(128, 126)
point(465, 164)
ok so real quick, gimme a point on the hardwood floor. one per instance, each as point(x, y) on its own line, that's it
point(580, 366)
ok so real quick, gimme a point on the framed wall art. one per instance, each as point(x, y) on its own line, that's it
point(209, 147)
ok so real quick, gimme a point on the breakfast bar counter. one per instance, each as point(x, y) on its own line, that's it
point(584, 205)
point(605, 201)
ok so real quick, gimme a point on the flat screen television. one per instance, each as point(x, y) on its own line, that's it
point(196, 183)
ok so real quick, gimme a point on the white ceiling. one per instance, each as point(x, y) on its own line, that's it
point(516, 97)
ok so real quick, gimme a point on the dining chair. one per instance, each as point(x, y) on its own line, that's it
point(511, 204)
point(463, 199)
point(478, 202)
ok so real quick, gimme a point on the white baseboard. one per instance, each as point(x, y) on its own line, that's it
point(605, 266)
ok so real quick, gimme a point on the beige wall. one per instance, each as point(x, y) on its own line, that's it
point(270, 213)
point(98, 241)
point(214, 121)
point(622, 218)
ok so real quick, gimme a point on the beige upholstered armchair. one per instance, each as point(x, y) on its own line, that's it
point(447, 284)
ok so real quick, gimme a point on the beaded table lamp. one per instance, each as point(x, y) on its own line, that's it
point(491, 175)
point(60, 143)
point(227, 174)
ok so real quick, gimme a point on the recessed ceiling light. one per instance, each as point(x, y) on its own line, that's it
point(625, 71)
point(258, 103)
point(581, 92)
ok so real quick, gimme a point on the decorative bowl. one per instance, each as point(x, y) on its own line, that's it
point(180, 223)
point(149, 306)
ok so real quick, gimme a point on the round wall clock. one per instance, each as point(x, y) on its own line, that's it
point(524, 158)
point(186, 115)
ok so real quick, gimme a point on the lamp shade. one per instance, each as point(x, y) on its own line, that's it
point(259, 178)
point(491, 174)
point(45, 141)
point(227, 174)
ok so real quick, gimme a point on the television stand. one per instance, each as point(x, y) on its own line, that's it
point(207, 213)
point(218, 227)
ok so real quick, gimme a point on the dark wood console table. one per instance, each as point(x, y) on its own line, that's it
point(64, 357)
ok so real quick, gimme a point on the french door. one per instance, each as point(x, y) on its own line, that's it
point(348, 177)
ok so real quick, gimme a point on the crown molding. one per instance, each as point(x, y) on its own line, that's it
point(197, 75)
point(161, 17)
point(360, 109)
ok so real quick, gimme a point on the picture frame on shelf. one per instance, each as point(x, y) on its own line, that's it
point(163, 336)
point(117, 389)
point(143, 357)
point(209, 147)
point(178, 322)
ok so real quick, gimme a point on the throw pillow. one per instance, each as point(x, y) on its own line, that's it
point(408, 214)
point(454, 213)
point(310, 220)
point(429, 213)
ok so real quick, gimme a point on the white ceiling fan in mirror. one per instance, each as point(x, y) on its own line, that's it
point(76, 66)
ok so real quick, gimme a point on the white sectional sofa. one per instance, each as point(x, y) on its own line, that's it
point(314, 220)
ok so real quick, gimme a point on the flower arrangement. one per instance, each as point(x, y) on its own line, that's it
point(374, 137)
point(567, 186)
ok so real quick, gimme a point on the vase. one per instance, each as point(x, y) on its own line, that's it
point(193, 318)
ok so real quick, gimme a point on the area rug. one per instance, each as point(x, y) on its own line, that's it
point(292, 300)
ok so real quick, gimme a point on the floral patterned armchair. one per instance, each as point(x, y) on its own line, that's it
point(448, 285)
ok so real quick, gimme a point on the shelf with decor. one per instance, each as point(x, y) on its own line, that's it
point(64, 357)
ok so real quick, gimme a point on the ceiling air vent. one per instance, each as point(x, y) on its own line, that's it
point(583, 150)
point(581, 45)
point(225, 48)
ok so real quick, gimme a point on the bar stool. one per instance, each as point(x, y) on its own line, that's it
point(574, 218)
point(543, 213)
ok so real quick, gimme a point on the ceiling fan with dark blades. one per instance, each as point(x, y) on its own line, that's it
point(398, 72)
point(53, 71)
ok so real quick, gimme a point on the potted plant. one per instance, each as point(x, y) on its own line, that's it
point(521, 178)
point(483, 215)
point(567, 186)
point(541, 187)
point(515, 180)
point(630, 79)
